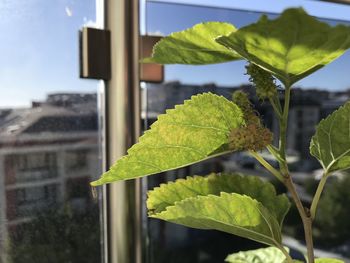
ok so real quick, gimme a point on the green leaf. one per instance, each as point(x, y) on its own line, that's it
point(262, 255)
point(331, 143)
point(244, 206)
point(168, 194)
point(195, 46)
point(192, 132)
point(290, 47)
point(231, 213)
point(328, 260)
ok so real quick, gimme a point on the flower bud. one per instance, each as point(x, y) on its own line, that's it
point(253, 136)
point(264, 82)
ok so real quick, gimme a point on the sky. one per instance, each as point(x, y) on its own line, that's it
point(39, 49)
point(39, 46)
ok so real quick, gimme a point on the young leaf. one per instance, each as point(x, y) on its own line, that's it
point(168, 194)
point(190, 133)
point(292, 46)
point(195, 46)
point(262, 255)
point(232, 213)
point(331, 143)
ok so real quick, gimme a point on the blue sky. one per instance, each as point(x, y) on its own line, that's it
point(39, 47)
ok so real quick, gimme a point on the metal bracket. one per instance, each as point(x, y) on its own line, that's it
point(95, 53)
point(150, 72)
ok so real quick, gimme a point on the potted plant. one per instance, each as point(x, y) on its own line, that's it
point(284, 50)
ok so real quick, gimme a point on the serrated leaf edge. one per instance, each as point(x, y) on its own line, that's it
point(154, 126)
point(273, 241)
point(315, 138)
point(151, 58)
point(207, 177)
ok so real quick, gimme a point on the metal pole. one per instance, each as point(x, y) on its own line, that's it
point(122, 130)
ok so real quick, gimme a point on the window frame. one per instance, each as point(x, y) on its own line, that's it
point(120, 112)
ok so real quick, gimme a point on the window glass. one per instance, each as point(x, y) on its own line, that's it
point(313, 99)
point(49, 136)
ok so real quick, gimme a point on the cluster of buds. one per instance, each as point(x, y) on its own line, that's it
point(254, 136)
point(241, 99)
point(263, 81)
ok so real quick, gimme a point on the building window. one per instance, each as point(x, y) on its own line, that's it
point(76, 160)
point(32, 200)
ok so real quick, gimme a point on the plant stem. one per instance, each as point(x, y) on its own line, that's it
point(305, 217)
point(277, 107)
point(304, 213)
point(284, 175)
point(283, 129)
point(307, 223)
point(317, 196)
point(268, 166)
point(274, 151)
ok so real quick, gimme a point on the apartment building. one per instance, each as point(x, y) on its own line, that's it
point(48, 152)
point(48, 155)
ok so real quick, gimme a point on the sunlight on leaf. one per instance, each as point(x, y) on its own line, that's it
point(292, 46)
point(196, 46)
point(240, 205)
point(192, 132)
point(331, 143)
point(264, 192)
point(231, 213)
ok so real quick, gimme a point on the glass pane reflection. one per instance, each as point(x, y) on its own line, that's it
point(313, 99)
point(49, 143)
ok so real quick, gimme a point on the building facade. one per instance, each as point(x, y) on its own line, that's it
point(48, 155)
